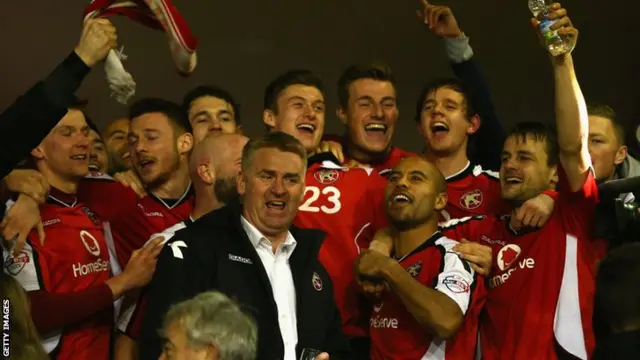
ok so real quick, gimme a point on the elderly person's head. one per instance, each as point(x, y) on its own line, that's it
point(209, 327)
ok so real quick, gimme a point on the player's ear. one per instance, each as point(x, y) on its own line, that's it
point(207, 173)
point(241, 184)
point(38, 153)
point(553, 181)
point(441, 201)
point(185, 143)
point(269, 119)
point(474, 124)
point(621, 154)
point(341, 114)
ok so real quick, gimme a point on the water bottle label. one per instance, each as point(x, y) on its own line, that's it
point(545, 29)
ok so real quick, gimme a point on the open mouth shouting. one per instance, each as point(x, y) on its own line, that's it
point(400, 199)
point(94, 166)
point(376, 131)
point(306, 129)
point(439, 129)
point(512, 180)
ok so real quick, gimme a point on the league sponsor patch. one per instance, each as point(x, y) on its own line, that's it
point(15, 264)
point(456, 284)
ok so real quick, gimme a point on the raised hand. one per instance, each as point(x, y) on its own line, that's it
point(562, 25)
point(98, 37)
point(440, 20)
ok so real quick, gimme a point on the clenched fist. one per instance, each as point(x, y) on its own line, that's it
point(98, 37)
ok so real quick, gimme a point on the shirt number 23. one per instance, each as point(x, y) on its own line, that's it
point(330, 193)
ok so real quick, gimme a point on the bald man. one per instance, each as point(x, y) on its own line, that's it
point(214, 165)
point(115, 138)
point(431, 286)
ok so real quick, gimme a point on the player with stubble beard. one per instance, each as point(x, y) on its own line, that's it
point(115, 136)
point(214, 165)
point(542, 278)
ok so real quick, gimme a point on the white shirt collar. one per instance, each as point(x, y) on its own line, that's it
point(256, 237)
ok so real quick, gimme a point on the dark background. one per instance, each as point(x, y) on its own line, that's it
point(243, 44)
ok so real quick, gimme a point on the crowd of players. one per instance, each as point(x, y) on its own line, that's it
point(460, 252)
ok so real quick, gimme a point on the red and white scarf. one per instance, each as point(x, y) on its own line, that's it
point(156, 14)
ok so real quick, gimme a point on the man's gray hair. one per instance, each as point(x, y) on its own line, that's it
point(211, 318)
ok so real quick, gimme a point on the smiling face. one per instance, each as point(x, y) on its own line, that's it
point(99, 159)
point(371, 114)
point(272, 187)
point(416, 191)
point(445, 123)
point(64, 154)
point(525, 171)
point(115, 137)
point(300, 113)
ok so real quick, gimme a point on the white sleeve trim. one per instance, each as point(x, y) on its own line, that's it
point(458, 50)
point(457, 276)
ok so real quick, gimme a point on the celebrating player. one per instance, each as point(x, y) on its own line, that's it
point(432, 288)
point(115, 136)
point(74, 264)
point(542, 279)
point(345, 203)
point(211, 110)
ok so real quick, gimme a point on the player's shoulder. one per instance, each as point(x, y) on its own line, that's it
point(467, 220)
point(445, 242)
point(168, 233)
point(479, 171)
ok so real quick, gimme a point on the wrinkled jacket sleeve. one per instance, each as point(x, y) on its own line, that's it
point(179, 276)
point(30, 118)
point(337, 344)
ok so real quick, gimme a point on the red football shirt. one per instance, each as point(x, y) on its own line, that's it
point(132, 219)
point(396, 334)
point(382, 166)
point(73, 257)
point(348, 205)
point(542, 282)
point(473, 191)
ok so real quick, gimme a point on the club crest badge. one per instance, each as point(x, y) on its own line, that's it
point(326, 176)
point(414, 270)
point(471, 200)
point(316, 281)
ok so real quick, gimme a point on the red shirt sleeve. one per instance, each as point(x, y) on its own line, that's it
point(377, 187)
point(463, 228)
point(578, 208)
point(54, 311)
point(106, 196)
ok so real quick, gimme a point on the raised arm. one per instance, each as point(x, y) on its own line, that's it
point(34, 114)
point(572, 121)
point(441, 21)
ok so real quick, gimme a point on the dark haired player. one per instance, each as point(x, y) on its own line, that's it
point(211, 109)
point(345, 203)
point(540, 299)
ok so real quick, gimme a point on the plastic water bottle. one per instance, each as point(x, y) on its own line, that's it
point(556, 44)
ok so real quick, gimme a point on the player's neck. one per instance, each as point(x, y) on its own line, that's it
point(206, 202)
point(451, 164)
point(362, 156)
point(405, 241)
point(67, 185)
point(175, 186)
